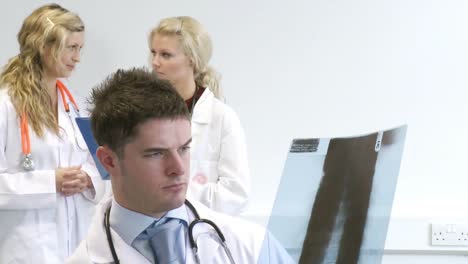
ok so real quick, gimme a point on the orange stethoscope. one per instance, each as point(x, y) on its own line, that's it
point(28, 162)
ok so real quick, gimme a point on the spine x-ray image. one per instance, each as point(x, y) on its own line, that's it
point(335, 197)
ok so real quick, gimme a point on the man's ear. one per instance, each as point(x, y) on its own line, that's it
point(108, 159)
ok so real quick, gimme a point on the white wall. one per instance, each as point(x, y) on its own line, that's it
point(316, 68)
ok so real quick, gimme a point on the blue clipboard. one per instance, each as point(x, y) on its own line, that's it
point(84, 124)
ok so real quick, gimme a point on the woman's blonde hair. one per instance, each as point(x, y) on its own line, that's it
point(48, 26)
point(197, 45)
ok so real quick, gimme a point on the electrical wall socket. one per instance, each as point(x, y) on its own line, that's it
point(449, 234)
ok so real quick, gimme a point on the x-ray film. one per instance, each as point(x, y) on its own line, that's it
point(335, 197)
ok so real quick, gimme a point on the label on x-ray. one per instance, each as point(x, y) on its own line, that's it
point(309, 145)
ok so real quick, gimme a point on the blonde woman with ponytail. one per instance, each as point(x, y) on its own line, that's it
point(181, 50)
point(48, 183)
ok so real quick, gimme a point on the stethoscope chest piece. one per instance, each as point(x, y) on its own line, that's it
point(28, 162)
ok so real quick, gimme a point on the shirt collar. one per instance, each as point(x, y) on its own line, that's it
point(179, 213)
point(129, 224)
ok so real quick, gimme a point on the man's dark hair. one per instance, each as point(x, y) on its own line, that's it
point(128, 98)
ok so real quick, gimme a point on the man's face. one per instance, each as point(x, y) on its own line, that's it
point(152, 176)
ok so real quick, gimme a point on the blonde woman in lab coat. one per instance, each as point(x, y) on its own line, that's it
point(181, 50)
point(48, 184)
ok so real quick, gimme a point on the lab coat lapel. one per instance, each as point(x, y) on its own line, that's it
point(63, 119)
point(98, 246)
point(203, 108)
point(201, 119)
point(67, 123)
point(65, 148)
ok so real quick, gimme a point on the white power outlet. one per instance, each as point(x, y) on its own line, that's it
point(449, 234)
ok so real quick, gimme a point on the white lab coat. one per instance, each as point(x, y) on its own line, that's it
point(246, 241)
point(39, 225)
point(218, 155)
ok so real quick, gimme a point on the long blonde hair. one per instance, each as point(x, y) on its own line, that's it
point(197, 45)
point(49, 25)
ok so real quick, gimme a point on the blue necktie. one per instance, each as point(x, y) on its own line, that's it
point(167, 240)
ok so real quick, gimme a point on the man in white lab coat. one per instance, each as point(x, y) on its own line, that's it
point(142, 128)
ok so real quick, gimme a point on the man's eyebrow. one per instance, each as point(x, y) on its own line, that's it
point(156, 149)
point(188, 142)
point(159, 149)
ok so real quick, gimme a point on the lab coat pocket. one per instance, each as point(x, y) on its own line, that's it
point(203, 171)
point(203, 175)
point(30, 236)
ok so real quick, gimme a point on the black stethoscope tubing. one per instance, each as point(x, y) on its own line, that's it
point(193, 245)
point(197, 220)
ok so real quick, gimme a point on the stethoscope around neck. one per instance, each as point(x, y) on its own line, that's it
point(192, 242)
point(28, 162)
